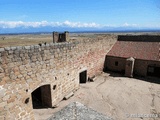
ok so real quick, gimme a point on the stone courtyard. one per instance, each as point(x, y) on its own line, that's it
point(115, 96)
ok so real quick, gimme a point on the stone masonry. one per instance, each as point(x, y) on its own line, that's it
point(60, 37)
point(25, 68)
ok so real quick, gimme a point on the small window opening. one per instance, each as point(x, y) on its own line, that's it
point(26, 100)
point(116, 63)
point(54, 87)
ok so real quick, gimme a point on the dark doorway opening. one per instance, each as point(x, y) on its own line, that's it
point(153, 71)
point(116, 63)
point(41, 97)
point(83, 77)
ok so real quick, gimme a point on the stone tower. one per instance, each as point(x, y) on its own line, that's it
point(55, 37)
point(60, 37)
point(66, 35)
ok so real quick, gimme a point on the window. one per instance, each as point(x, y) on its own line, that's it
point(116, 63)
point(151, 69)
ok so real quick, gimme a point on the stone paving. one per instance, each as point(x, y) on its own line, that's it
point(78, 111)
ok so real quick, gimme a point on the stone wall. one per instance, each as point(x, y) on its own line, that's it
point(116, 64)
point(139, 38)
point(24, 69)
point(140, 66)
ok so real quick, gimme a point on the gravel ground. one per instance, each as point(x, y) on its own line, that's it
point(115, 96)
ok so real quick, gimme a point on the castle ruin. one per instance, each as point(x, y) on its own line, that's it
point(49, 72)
point(46, 73)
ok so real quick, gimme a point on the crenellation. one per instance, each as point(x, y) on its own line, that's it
point(2, 49)
point(27, 47)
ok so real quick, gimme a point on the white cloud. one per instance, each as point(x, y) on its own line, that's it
point(129, 25)
point(14, 24)
point(79, 24)
point(142, 26)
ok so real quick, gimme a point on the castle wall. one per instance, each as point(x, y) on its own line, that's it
point(24, 69)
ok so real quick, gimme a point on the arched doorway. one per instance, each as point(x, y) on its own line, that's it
point(41, 97)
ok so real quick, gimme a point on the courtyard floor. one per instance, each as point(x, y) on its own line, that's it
point(115, 96)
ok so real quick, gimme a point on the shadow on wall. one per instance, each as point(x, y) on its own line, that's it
point(113, 73)
point(105, 65)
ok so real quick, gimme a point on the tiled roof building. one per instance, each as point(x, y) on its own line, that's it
point(138, 50)
point(144, 49)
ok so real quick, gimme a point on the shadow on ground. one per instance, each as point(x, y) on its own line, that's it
point(150, 79)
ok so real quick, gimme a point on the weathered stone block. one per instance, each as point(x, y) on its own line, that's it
point(7, 48)
point(20, 76)
point(27, 47)
point(2, 104)
point(12, 76)
point(29, 73)
point(1, 70)
point(6, 97)
point(22, 67)
point(2, 49)
point(5, 78)
point(19, 47)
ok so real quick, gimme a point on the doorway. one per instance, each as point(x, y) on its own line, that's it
point(41, 97)
point(83, 77)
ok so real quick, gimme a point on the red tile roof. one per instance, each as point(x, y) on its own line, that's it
point(136, 49)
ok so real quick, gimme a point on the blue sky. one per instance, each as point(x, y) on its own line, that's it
point(96, 14)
